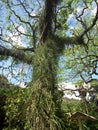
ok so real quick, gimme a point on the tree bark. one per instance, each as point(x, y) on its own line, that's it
point(18, 54)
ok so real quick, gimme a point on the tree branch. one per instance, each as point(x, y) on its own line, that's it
point(18, 54)
point(17, 16)
point(93, 23)
point(29, 14)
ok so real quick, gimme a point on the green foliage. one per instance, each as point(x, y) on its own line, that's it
point(4, 0)
point(13, 108)
point(71, 105)
point(94, 83)
point(3, 57)
point(15, 104)
point(79, 83)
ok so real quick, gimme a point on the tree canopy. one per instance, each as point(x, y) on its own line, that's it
point(19, 29)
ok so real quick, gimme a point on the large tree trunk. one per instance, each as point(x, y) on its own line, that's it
point(44, 110)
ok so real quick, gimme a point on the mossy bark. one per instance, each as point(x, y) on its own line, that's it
point(44, 109)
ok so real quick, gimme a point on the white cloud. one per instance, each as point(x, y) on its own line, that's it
point(21, 84)
point(32, 13)
point(16, 40)
point(68, 93)
point(94, 11)
point(21, 29)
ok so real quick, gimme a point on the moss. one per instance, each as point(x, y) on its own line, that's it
point(94, 83)
point(45, 98)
